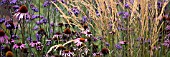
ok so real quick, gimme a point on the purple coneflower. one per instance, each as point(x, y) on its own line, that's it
point(3, 37)
point(39, 47)
point(19, 46)
point(122, 42)
point(34, 43)
point(79, 41)
point(167, 43)
point(67, 53)
point(22, 13)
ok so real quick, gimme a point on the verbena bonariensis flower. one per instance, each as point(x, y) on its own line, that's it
point(22, 13)
point(75, 10)
point(46, 3)
point(19, 46)
point(13, 1)
point(36, 27)
point(84, 19)
point(67, 53)
point(97, 12)
point(125, 15)
point(48, 41)
point(2, 20)
point(80, 41)
point(34, 43)
point(126, 5)
point(159, 4)
point(34, 17)
point(15, 7)
point(43, 20)
point(35, 9)
point(3, 37)
point(118, 46)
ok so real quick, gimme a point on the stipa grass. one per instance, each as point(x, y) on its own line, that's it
point(96, 28)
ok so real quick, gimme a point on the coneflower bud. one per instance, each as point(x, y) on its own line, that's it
point(23, 9)
point(60, 24)
point(82, 39)
point(41, 31)
point(9, 54)
point(85, 26)
point(67, 31)
point(105, 51)
point(2, 33)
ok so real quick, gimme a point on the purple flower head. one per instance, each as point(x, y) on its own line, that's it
point(118, 46)
point(34, 43)
point(97, 12)
point(2, 20)
point(159, 4)
point(13, 1)
point(36, 27)
point(34, 17)
point(44, 20)
point(56, 9)
point(29, 39)
point(39, 23)
point(9, 25)
point(35, 9)
point(107, 44)
point(46, 3)
point(122, 42)
point(3, 1)
point(126, 5)
point(19, 46)
point(125, 15)
point(3, 37)
point(84, 19)
point(15, 37)
point(75, 10)
point(167, 28)
point(38, 36)
point(167, 43)
point(48, 42)
point(120, 13)
point(15, 7)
